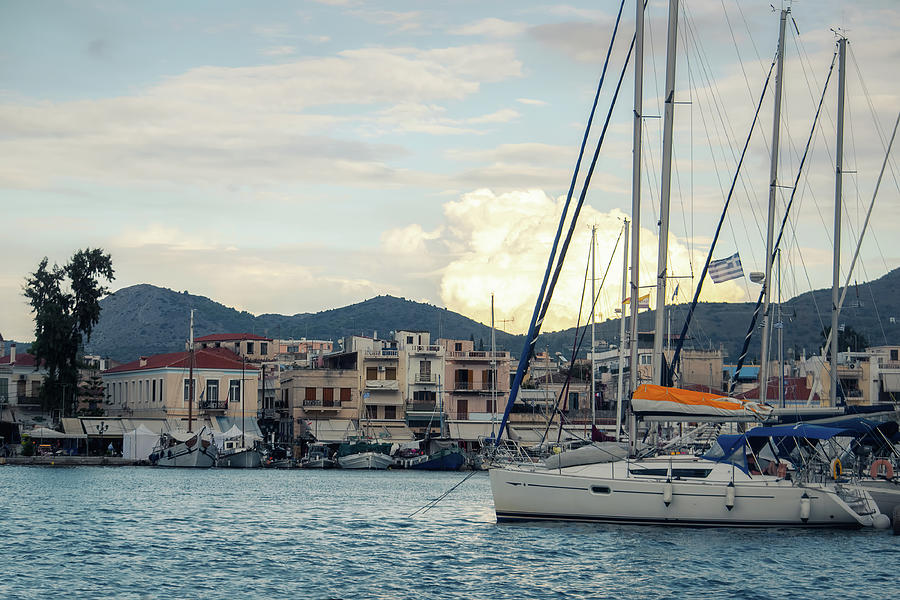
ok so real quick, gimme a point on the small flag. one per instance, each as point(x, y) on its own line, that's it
point(726, 269)
point(643, 301)
point(675, 293)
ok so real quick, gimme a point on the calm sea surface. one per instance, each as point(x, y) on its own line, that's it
point(94, 532)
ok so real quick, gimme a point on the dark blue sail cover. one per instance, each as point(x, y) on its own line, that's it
point(729, 448)
point(800, 430)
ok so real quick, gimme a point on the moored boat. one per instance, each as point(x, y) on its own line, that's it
point(189, 451)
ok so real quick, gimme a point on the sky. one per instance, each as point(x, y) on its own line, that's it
point(292, 157)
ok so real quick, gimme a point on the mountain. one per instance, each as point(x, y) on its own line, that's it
point(145, 319)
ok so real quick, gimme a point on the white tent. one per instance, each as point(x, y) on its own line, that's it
point(137, 444)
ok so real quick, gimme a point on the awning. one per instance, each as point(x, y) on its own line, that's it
point(248, 425)
point(890, 382)
point(157, 426)
point(673, 404)
point(73, 426)
point(526, 435)
point(393, 433)
point(471, 432)
point(105, 428)
point(332, 430)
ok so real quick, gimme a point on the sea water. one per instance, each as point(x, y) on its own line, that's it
point(95, 532)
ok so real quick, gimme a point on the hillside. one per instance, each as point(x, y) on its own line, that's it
point(145, 319)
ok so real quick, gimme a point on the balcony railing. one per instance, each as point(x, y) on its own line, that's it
point(478, 355)
point(383, 353)
point(213, 404)
point(473, 386)
point(323, 404)
point(382, 384)
point(423, 349)
point(426, 377)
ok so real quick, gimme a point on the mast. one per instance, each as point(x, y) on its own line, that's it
point(242, 395)
point(493, 368)
point(665, 193)
point(621, 384)
point(593, 339)
point(780, 326)
point(838, 183)
point(773, 188)
point(191, 374)
point(634, 304)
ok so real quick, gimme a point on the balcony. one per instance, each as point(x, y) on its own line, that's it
point(322, 405)
point(383, 353)
point(426, 378)
point(478, 355)
point(421, 349)
point(383, 384)
point(474, 386)
point(213, 405)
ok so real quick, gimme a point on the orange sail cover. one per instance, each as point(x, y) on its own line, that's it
point(659, 400)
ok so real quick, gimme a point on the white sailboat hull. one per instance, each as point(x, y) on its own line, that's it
point(366, 460)
point(608, 493)
point(240, 458)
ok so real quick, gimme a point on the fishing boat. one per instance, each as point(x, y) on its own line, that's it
point(236, 455)
point(364, 454)
point(184, 450)
point(437, 456)
point(318, 456)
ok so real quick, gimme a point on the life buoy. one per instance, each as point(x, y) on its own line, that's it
point(836, 469)
point(882, 468)
point(781, 471)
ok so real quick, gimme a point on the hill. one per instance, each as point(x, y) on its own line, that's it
point(145, 319)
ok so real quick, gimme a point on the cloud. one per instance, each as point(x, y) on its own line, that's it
point(500, 243)
point(492, 28)
point(222, 126)
point(531, 101)
point(279, 51)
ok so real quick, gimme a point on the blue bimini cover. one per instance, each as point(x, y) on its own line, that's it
point(729, 448)
point(800, 430)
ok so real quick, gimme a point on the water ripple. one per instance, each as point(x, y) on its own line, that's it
point(153, 533)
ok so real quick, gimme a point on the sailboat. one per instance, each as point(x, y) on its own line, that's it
point(719, 488)
point(179, 449)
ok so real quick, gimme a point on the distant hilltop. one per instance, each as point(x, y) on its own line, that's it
point(146, 319)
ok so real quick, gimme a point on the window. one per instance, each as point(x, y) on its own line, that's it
point(153, 393)
point(212, 390)
point(345, 395)
point(424, 396)
point(263, 348)
point(390, 373)
point(573, 400)
point(646, 359)
point(463, 379)
point(371, 412)
point(487, 380)
point(218, 344)
point(894, 357)
point(371, 373)
point(409, 339)
point(310, 394)
point(328, 396)
point(458, 346)
point(462, 409)
point(390, 412)
point(162, 391)
point(187, 389)
point(4, 390)
point(234, 390)
point(249, 347)
point(425, 370)
point(600, 489)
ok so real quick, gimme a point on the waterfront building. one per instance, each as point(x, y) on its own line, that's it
point(20, 380)
point(424, 382)
point(158, 387)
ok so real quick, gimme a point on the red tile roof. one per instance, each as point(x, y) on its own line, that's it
point(231, 337)
point(794, 389)
point(23, 359)
point(204, 358)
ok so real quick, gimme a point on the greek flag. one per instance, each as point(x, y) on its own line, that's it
point(726, 269)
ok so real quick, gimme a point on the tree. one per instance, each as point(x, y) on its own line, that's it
point(847, 338)
point(66, 307)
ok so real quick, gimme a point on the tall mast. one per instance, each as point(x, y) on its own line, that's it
point(665, 193)
point(493, 368)
point(780, 325)
point(593, 339)
point(773, 189)
point(838, 182)
point(242, 395)
point(634, 304)
point(191, 374)
point(621, 384)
